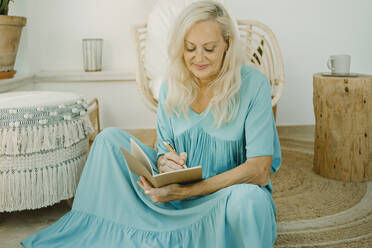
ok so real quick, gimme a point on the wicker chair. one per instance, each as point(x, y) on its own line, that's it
point(262, 51)
point(93, 112)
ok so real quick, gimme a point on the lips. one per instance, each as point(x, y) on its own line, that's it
point(200, 67)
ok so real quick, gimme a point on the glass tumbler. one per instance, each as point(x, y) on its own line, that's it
point(92, 54)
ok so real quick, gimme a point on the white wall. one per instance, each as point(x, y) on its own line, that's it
point(28, 59)
point(55, 30)
point(307, 31)
point(119, 102)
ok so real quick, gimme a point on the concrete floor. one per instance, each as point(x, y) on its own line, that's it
point(16, 226)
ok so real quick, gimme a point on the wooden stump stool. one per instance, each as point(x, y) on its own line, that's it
point(343, 130)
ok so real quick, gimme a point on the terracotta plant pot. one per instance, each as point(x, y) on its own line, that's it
point(10, 30)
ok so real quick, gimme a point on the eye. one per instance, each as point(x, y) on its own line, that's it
point(190, 49)
point(209, 49)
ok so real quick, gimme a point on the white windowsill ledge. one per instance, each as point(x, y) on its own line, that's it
point(82, 76)
point(17, 81)
point(20, 80)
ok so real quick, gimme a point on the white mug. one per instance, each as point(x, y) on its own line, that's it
point(339, 64)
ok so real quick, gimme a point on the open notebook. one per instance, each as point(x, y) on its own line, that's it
point(140, 164)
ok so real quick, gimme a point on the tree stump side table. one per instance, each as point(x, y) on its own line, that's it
point(343, 129)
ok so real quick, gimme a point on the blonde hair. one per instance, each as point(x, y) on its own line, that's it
point(182, 85)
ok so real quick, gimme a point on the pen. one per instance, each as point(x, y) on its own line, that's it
point(170, 148)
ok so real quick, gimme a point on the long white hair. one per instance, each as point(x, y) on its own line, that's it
point(182, 85)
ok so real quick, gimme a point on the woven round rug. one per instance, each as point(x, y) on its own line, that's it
point(313, 211)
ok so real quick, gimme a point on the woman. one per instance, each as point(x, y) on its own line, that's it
point(216, 113)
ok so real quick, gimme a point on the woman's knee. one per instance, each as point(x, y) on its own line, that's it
point(113, 135)
point(248, 199)
point(120, 138)
point(250, 215)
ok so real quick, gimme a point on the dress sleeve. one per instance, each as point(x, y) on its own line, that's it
point(164, 125)
point(260, 130)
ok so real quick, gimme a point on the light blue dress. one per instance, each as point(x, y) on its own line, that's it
point(111, 210)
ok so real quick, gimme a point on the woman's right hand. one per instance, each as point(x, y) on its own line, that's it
point(171, 162)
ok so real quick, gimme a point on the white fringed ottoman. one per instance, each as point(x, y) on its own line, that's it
point(43, 147)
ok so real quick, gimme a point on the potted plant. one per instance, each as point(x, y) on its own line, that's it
point(10, 35)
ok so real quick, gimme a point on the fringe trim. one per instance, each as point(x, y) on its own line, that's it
point(41, 159)
point(40, 187)
point(31, 139)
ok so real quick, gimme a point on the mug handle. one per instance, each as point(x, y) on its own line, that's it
point(329, 65)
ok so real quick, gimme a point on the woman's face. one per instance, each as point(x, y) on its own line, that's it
point(204, 50)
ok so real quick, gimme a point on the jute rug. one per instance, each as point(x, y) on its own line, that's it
point(313, 211)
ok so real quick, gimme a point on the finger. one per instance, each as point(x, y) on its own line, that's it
point(146, 184)
point(183, 156)
point(174, 157)
point(172, 165)
point(169, 163)
point(165, 168)
point(140, 184)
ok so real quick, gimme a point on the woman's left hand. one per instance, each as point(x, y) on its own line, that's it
point(166, 193)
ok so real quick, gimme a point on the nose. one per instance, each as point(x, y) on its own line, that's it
point(199, 55)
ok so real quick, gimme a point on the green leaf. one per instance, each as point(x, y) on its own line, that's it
point(4, 7)
point(260, 52)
